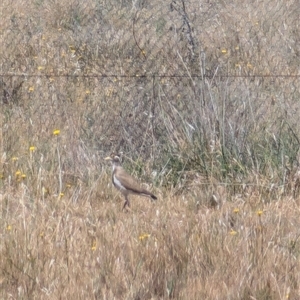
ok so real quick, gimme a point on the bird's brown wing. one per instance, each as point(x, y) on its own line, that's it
point(130, 183)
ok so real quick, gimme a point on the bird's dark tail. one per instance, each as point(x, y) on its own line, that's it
point(153, 197)
point(146, 193)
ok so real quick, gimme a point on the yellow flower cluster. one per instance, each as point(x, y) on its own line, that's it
point(144, 236)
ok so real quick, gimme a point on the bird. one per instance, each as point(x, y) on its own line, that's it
point(125, 183)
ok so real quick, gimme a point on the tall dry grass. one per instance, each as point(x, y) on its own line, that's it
point(81, 245)
point(221, 153)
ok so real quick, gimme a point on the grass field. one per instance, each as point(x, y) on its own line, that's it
point(202, 99)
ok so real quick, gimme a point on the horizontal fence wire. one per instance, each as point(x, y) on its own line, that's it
point(150, 76)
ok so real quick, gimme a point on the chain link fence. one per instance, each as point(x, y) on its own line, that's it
point(152, 79)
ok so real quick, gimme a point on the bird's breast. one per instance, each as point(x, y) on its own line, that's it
point(117, 183)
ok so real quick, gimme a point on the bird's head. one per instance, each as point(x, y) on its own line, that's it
point(115, 159)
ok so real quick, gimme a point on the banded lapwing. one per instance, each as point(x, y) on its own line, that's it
point(125, 183)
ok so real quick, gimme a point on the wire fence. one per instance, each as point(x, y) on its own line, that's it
point(151, 78)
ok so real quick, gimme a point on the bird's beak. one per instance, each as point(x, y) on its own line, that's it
point(108, 158)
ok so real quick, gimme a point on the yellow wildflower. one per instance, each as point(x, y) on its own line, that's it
point(233, 232)
point(144, 236)
point(259, 212)
point(56, 132)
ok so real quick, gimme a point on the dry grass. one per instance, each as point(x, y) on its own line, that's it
point(81, 245)
point(221, 154)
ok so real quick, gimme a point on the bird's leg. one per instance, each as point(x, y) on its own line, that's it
point(126, 202)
